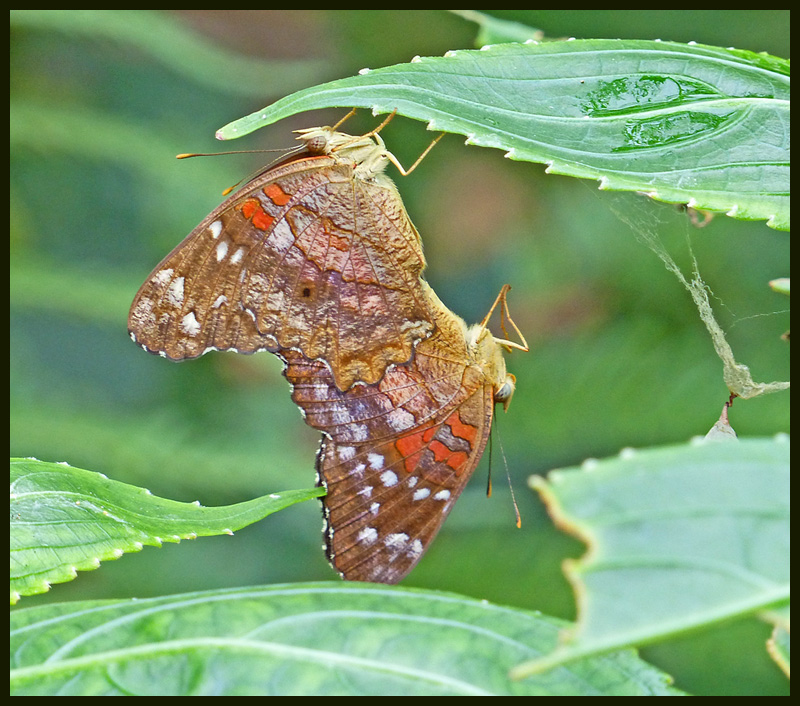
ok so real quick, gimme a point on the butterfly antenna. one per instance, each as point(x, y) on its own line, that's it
point(187, 155)
point(508, 478)
point(495, 430)
point(252, 175)
point(489, 475)
point(513, 498)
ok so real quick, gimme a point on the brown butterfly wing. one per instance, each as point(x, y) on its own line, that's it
point(396, 455)
point(310, 256)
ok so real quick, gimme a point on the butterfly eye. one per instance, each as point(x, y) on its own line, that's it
point(317, 144)
point(505, 392)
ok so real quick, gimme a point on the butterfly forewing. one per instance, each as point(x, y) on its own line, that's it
point(306, 256)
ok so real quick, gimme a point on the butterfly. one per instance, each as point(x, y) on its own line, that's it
point(316, 254)
point(396, 455)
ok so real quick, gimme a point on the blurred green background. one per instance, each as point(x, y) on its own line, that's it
point(100, 104)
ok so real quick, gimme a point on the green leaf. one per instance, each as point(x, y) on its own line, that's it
point(682, 123)
point(494, 30)
point(303, 639)
point(779, 647)
point(65, 519)
point(678, 537)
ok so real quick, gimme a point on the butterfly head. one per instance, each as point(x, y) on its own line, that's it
point(487, 351)
point(487, 354)
point(367, 153)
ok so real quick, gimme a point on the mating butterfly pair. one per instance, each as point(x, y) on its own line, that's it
point(316, 260)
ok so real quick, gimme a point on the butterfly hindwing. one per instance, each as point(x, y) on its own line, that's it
point(383, 508)
point(396, 455)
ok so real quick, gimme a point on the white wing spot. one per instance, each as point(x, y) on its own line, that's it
point(374, 508)
point(400, 420)
point(340, 415)
point(442, 495)
point(237, 256)
point(367, 535)
point(219, 301)
point(389, 478)
point(366, 491)
point(359, 432)
point(175, 291)
point(396, 540)
point(144, 311)
point(421, 493)
point(189, 324)
point(216, 229)
point(282, 237)
point(346, 452)
point(222, 250)
point(415, 550)
point(358, 470)
point(162, 277)
point(375, 461)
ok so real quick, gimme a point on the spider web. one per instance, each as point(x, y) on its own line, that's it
point(641, 217)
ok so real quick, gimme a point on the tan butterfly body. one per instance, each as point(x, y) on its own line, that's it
point(316, 260)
